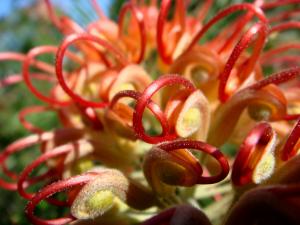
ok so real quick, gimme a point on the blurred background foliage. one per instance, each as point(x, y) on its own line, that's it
point(26, 26)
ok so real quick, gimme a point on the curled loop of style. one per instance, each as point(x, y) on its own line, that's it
point(255, 160)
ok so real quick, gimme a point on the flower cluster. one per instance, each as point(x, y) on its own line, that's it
point(146, 106)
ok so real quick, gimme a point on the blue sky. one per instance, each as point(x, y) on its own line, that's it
point(77, 9)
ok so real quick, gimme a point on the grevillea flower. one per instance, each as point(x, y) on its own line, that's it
point(148, 106)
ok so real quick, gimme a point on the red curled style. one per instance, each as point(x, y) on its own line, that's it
point(291, 117)
point(166, 80)
point(139, 17)
point(162, 17)
point(98, 9)
point(261, 30)
point(240, 25)
point(204, 10)
point(30, 110)
point(10, 80)
point(277, 78)
point(13, 56)
point(56, 152)
point(248, 155)
point(284, 15)
point(231, 9)
point(154, 108)
point(268, 56)
point(16, 78)
point(15, 147)
point(290, 61)
point(202, 147)
point(291, 146)
point(59, 65)
point(270, 5)
point(54, 19)
point(89, 115)
point(64, 24)
point(26, 74)
point(51, 190)
point(285, 26)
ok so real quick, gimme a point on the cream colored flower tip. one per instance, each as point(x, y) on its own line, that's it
point(132, 77)
point(265, 167)
point(100, 195)
point(194, 117)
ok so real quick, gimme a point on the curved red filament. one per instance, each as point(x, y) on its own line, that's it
point(13, 56)
point(154, 108)
point(261, 30)
point(291, 146)
point(98, 9)
point(29, 110)
point(59, 65)
point(277, 78)
point(142, 102)
point(239, 25)
point(274, 4)
point(15, 147)
point(267, 57)
point(248, 156)
point(10, 80)
point(54, 19)
point(139, 17)
point(284, 15)
point(202, 147)
point(26, 74)
point(64, 24)
point(237, 7)
point(285, 26)
point(56, 152)
point(162, 18)
point(204, 9)
point(51, 190)
point(90, 116)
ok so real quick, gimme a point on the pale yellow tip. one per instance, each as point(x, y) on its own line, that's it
point(264, 169)
point(190, 122)
point(100, 200)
